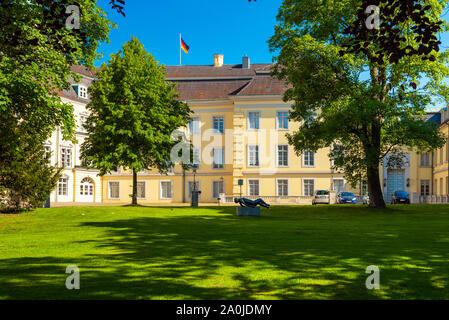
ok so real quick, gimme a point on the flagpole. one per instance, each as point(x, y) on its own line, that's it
point(180, 54)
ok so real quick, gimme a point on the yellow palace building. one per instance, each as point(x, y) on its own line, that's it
point(238, 130)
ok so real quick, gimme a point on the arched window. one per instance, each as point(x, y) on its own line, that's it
point(87, 187)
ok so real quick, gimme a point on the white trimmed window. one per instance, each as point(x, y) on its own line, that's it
point(253, 187)
point(63, 186)
point(218, 122)
point(66, 157)
point(194, 126)
point(217, 188)
point(141, 189)
point(282, 120)
point(253, 155)
point(282, 156)
point(114, 189)
point(339, 185)
point(425, 187)
point(47, 152)
point(82, 122)
point(166, 190)
point(425, 160)
point(82, 92)
point(308, 159)
point(218, 157)
point(196, 157)
point(282, 187)
point(253, 120)
point(308, 187)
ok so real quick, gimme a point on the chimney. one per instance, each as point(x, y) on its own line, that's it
point(218, 60)
point(245, 62)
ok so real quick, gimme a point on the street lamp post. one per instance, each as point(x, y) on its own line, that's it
point(195, 192)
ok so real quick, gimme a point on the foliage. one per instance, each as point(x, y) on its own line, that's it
point(133, 112)
point(390, 36)
point(363, 107)
point(26, 178)
point(36, 53)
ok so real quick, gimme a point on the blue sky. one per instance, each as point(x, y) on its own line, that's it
point(230, 27)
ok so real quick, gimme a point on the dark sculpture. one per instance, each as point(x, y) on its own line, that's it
point(250, 203)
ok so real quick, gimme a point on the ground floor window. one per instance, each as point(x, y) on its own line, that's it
point(253, 187)
point(282, 186)
point(339, 185)
point(308, 187)
point(114, 190)
point(87, 187)
point(141, 189)
point(217, 188)
point(425, 187)
point(63, 186)
point(166, 190)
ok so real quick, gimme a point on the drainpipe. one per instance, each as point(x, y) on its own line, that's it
point(183, 185)
point(57, 159)
point(433, 167)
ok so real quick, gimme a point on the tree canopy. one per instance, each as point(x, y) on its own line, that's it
point(37, 50)
point(361, 107)
point(133, 113)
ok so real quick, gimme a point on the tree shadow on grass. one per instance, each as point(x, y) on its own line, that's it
point(221, 256)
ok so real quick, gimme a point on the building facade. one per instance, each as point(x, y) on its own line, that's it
point(238, 129)
point(77, 183)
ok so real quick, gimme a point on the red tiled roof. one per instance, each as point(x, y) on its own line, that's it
point(206, 82)
point(209, 82)
point(84, 71)
point(214, 89)
point(263, 85)
point(227, 70)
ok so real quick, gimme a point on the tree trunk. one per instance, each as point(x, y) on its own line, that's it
point(372, 152)
point(376, 199)
point(134, 203)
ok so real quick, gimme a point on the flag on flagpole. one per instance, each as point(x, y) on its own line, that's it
point(184, 46)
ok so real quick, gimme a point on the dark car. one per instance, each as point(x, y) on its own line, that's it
point(346, 197)
point(400, 197)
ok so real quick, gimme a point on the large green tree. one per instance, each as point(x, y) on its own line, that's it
point(133, 113)
point(39, 41)
point(356, 93)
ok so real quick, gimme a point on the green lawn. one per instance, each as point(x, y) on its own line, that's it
point(208, 253)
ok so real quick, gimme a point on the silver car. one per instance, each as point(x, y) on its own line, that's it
point(321, 197)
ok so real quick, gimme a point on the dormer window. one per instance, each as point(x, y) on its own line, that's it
point(81, 91)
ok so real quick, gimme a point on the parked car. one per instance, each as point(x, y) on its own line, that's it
point(346, 197)
point(321, 196)
point(400, 197)
point(365, 199)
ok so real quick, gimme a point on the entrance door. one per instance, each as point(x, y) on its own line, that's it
point(395, 182)
point(87, 190)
